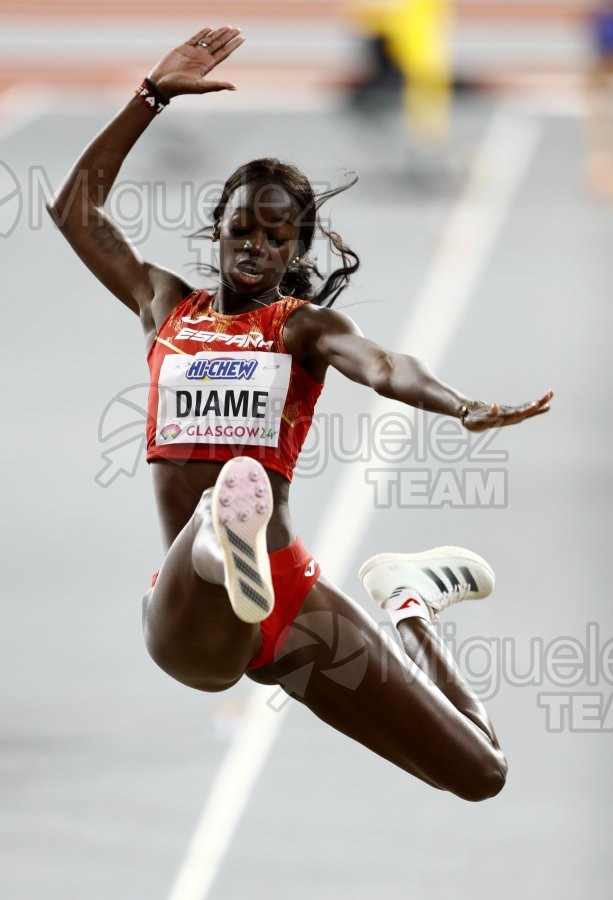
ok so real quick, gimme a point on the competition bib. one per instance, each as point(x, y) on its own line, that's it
point(222, 398)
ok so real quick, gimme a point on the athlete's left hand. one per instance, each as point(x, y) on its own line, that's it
point(183, 70)
point(494, 415)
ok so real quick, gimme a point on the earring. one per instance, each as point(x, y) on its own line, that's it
point(295, 261)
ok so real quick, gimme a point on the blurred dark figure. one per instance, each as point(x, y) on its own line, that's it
point(409, 72)
point(409, 45)
point(599, 165)
point(383, 82)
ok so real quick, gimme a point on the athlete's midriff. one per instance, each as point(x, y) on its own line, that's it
point(226, 385)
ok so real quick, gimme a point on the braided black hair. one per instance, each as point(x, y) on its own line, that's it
point(300, 277)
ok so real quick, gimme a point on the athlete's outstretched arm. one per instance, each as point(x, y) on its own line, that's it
point(325, 337)
point(78, 207)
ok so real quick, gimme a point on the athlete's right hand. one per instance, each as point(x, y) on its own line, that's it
point(183, 70)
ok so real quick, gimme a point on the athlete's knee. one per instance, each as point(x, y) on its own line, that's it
point(194, 667)
point(486, 781)
point(159, 647)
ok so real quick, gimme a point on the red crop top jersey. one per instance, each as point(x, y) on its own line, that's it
point(223, 386)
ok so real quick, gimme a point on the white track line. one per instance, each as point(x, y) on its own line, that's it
point(228, 798)
point(469, 237)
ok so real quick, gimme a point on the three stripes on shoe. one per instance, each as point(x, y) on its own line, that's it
point(454, 581)
point(247, 570)
point(453, 578)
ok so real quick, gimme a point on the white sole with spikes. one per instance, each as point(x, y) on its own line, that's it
point(241, 508)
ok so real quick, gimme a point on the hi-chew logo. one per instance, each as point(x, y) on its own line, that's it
point(222, 369)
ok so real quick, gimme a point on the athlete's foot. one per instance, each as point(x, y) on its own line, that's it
point(426, 583)
point(241, 507)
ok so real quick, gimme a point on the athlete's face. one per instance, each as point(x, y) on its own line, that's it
point(258, 237)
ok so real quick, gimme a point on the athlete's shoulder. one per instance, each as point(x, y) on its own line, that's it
point(306, 330)
point(310, 321)
point(170, 295)
point(188, 303)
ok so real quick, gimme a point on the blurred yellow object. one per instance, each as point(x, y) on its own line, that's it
point(417, 36)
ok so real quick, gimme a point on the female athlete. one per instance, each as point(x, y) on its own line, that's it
point(235, 375)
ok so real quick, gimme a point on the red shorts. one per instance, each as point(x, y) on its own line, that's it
point(294, 572)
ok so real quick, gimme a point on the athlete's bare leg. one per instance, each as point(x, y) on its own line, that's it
point(414, 710)
point(190, 628)
point(427, 649)
point(434, 729)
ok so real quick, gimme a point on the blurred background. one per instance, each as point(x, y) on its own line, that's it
point(482, 134)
